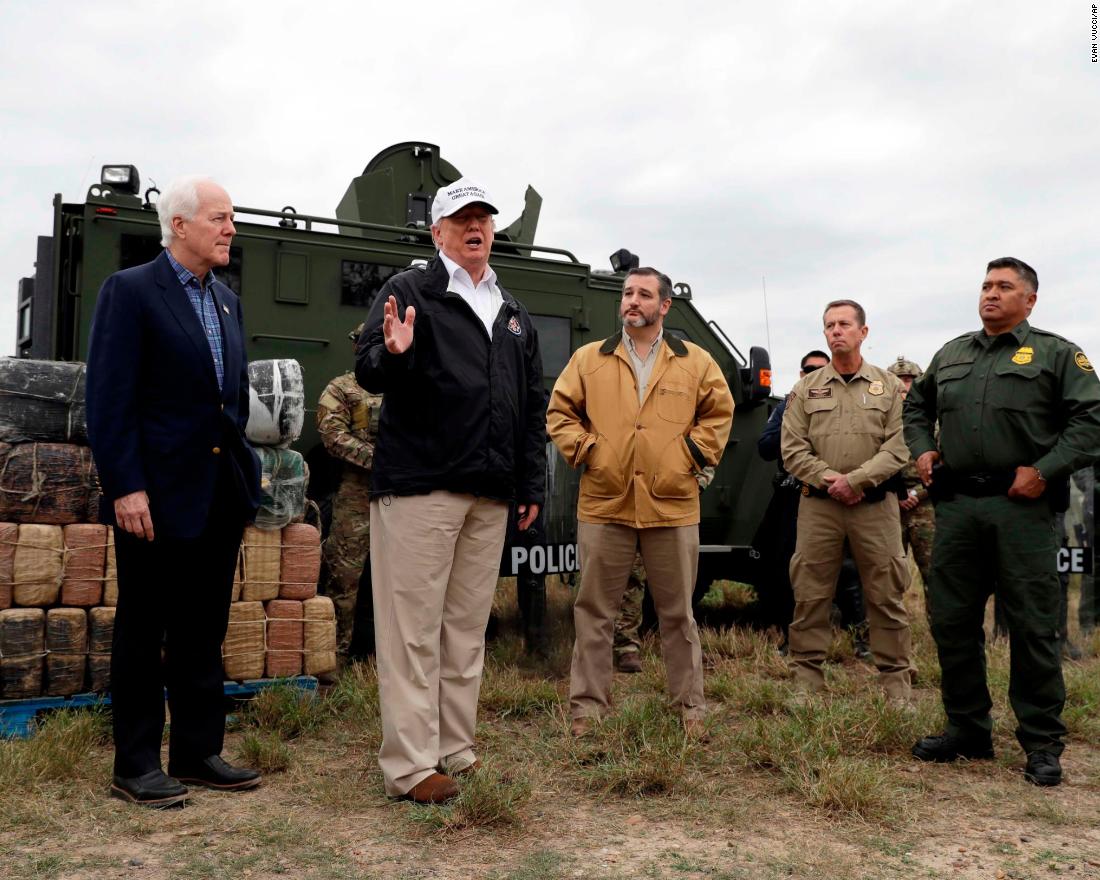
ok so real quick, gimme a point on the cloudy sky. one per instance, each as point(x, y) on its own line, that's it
point(880, 151)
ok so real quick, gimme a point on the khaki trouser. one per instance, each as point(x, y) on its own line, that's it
point(434, 562)
point(671, 557)
point(873, 530)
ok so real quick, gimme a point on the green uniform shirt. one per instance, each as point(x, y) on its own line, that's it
point(1022, 398)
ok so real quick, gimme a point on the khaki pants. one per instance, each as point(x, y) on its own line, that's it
point(873, 530)
point(671, 557)
point(434, 562)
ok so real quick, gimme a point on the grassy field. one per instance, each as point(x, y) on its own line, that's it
point(784, 788)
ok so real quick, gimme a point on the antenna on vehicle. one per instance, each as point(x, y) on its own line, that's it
point(767, 324)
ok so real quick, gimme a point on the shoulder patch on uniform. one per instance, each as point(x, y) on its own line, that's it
point(813, 393)
point(1083, 362)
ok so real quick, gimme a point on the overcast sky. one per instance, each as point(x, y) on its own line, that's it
point(881, 151)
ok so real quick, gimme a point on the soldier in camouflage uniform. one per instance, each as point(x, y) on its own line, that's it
point(347, 420)
point(918, 516)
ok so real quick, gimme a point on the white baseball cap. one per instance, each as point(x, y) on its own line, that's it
point(457, 196)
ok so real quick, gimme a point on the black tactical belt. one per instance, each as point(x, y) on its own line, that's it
point(873, 494)
point(984, 485)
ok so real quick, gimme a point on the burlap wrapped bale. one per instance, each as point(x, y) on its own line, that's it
point(84, 562)
point(42, 400)
point(110, 572)
point(236, 595)
point(36, 571)
point(276, 402)
point(283, 481)
point(243, 651)
point(66, 650)
point(22, 648)
point(101, 632)
point(301, 562)
point(9, 537)
point(47, 483)
point(285, 637)
point(260, 554)
point(319, 641)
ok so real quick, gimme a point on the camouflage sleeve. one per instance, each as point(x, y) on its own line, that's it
point(335, 427)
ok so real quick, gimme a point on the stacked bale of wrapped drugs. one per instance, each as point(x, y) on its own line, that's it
point(275, 415)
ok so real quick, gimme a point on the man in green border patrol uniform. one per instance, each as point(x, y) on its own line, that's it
point(1019, 410)
point(918, 518)
point(347, 420)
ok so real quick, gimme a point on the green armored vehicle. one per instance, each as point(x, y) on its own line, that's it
point(305, 280)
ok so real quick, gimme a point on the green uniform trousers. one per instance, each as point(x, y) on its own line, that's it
point(1006, 547)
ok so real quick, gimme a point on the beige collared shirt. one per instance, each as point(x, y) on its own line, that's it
point(643, 369)
point(484, 298)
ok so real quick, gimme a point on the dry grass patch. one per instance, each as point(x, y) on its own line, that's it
point(488, 798)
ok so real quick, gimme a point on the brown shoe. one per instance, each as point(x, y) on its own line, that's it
point(435, 789)
point(696, 729)
point(580, 727)
point(631, 662)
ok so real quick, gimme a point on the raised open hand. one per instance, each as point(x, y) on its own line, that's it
point(397, 334)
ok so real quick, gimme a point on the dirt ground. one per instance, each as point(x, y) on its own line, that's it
point(734, 807)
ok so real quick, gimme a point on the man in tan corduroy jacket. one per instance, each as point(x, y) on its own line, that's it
point(645, 412)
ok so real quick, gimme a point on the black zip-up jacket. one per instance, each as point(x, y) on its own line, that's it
point(460, 411)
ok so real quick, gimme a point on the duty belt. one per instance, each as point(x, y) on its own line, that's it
point(984, 485)
point(873, 494)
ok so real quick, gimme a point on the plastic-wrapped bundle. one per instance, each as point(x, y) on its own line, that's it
point(47, 483)
point(66, 650)
point(301, 562)
point(22, 647)
point(9, 536)
point(276, 402)
point(36, 571)
point(320, 636)
point(283, 481)
point(101, 632)
point(42, 400)
point(243, 649)
point(85, 554)
point(285, 638)
point(260, 555)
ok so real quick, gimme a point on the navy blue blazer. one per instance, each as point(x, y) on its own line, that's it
point(156, 419)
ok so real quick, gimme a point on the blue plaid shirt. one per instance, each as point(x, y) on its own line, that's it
point(202, 301)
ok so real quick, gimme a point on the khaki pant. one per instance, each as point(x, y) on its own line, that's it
point(671, 557)
point(434, 562)
point(873, 530)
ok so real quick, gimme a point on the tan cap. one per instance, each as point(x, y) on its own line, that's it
point(902, 367)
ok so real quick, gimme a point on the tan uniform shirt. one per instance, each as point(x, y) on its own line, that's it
point(854, 428)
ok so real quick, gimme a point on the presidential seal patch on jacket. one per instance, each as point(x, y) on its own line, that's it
point(513, 325)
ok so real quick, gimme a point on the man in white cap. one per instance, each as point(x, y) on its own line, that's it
point(461, 438)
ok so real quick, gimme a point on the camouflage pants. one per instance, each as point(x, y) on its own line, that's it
point(346, 551)
point(629, 621)
point(918, 530)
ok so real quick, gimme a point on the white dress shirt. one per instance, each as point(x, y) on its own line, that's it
point(484, 298)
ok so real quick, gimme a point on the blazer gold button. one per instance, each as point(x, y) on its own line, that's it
point(216, 450)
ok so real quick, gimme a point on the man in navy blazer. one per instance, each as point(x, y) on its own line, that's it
point(167, 398)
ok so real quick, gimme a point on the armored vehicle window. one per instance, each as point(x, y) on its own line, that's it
point(554, 338)
point(133, 250)
point(360, 282)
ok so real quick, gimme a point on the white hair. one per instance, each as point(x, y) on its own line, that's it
point(179, 199)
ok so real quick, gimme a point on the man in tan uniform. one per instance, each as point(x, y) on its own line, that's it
point(842, 438)
point(347, 420)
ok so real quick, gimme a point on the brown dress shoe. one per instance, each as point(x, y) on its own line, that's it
point(631, 662)
point(435, 789)
point(580, 727)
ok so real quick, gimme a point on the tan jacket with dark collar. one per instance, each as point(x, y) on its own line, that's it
point(640, 459)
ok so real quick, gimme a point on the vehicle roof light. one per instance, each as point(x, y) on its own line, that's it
point(122, 178)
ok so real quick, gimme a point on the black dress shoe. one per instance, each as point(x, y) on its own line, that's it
point(152, 789)
point(1043, 768)
point(213, 772)
point(945, 748)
